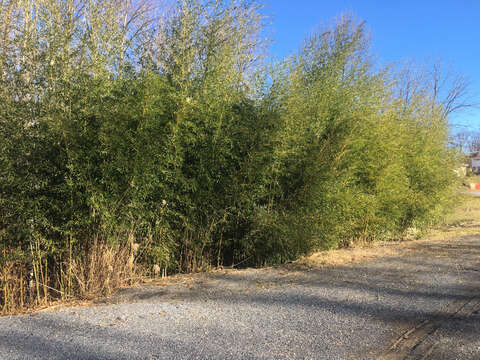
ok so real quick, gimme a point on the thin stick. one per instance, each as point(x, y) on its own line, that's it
point(21, 288)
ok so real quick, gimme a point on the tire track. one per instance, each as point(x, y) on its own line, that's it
point(417, 343)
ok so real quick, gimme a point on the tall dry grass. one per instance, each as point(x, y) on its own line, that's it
point(103, 269)
point(26, 285)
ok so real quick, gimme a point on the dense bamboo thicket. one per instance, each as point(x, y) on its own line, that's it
point(139, 137)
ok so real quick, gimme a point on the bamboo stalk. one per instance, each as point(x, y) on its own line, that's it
point(35, 274)
point(5, 298)
point(5, 293)
point(45, 281)
point(21, 288)
point(69, 279)
point(37, 285)
point(42, 277)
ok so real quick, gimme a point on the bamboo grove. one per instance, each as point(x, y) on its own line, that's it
point(139, 137)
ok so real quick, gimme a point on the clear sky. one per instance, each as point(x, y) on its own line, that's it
point(422, 30)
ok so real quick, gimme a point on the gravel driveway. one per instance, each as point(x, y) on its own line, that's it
point(421, 302)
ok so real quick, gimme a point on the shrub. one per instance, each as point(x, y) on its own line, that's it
point(172, 137)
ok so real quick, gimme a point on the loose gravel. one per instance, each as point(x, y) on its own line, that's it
point(372, 309)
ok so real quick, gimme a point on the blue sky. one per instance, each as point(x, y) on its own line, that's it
point(422, 30)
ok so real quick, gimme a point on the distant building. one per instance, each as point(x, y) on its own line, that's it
point(475, 162)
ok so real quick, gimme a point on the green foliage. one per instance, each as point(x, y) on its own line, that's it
point(171, 135)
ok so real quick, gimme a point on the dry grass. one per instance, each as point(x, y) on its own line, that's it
point(340, 257)
point(24, 284)
point(104, 269)
point(33, 286)
point(465, 220)
point(468, 211)
point(12, 289)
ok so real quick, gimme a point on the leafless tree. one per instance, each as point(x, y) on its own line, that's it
point(450, 89)
point(446, 90)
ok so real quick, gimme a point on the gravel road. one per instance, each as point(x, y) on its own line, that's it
point(420, 302)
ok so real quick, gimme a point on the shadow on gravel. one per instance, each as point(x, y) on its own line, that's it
point(47, 346)
point(390, 289)
point(401, 289)
point(108, 343)
point(356, 298)
point(452, 292)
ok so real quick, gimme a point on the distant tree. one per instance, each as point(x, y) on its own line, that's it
point(446, 90)
point(467, 141)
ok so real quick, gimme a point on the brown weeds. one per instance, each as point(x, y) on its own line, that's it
point(103, 269)
point(37, 281)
